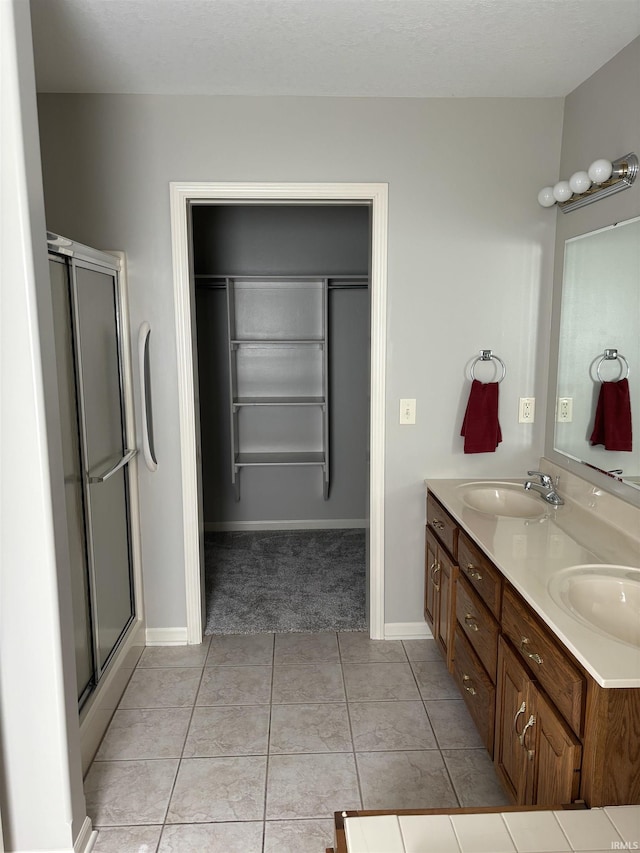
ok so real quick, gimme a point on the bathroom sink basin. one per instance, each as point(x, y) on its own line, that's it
point(505, 499)
point(603, 597)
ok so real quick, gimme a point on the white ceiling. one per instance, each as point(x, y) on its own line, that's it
point(371, 48)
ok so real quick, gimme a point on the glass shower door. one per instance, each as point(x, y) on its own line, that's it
point(106, 456)
point(73, 473)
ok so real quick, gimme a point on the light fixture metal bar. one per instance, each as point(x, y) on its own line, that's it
point(625, 171)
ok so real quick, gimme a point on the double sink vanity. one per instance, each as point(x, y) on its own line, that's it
point(535, 608)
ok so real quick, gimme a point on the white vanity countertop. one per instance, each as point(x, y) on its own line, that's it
point(531, 551)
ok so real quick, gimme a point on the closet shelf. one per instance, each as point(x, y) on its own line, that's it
point(272, 337)
point(283, 459)
point(276, 342)
point(279, 401)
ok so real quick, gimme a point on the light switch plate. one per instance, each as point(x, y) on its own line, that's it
point(408, 411)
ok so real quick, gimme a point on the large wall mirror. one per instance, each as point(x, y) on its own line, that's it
point(599, 342)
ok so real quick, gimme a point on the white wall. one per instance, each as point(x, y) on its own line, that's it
point(470, 264)
point(41, 797)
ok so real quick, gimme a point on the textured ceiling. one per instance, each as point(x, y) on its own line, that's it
point(372, 48)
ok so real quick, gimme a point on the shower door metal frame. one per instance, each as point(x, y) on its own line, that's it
point(87, 479)
point(73, 259)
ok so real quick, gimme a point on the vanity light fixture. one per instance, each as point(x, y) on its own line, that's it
point(603, 178)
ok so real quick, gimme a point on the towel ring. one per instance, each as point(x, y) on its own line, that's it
point(614, 355)
point(487, 355)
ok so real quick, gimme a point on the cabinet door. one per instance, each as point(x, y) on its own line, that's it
point(556, 762)
point(446, 611)
point(430, 588)
point(514, 711)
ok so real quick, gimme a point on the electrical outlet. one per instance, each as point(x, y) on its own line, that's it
point(565, 410)
point(527, 410)
point(407, 411)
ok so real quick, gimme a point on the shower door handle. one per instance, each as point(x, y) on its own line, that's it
point(101, 478)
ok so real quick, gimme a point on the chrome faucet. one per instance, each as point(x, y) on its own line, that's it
point(545, 488)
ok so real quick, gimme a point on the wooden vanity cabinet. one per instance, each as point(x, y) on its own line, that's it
point(441, 572)
point(584, 739)
point(549, 663)
point(475, 686)
point(440, 578)
point(537, 756)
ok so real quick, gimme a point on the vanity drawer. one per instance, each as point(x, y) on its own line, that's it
point(477, 690)
point(478, 625)
point(442, 525)
point(481, 574)
point(549, 663)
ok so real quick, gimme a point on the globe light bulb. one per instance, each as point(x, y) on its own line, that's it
point(545, 197)
point(579, 182)
point(600, 171)
point(562, 191)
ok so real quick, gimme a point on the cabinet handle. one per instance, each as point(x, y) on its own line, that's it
point(520, 710)
point(468, 687)
point(531, 655)
point(530, 723)
point(471, 622)
point(437, 524)
point(437, 570)
point(473, 572)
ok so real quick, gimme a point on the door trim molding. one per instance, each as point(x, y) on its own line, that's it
point(181, 193)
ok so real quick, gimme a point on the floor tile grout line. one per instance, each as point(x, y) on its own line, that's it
point(175, 779)
point(444, 763)
point(267, 762)
point(353, 745)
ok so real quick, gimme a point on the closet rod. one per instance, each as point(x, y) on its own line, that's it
point(334, 281)
point(347, 285)
point(302, 277)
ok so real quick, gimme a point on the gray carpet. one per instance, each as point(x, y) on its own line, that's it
point(281, 581)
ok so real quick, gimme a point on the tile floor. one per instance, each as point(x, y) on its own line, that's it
point(249, 743)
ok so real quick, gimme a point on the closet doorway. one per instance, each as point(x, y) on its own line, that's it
point(282, 319)
point(185, 198)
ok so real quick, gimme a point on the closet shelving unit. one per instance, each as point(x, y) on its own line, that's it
point(278, 369)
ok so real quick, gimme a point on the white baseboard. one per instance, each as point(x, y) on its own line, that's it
point(407, 631)
point(86, 839)
point(166, 636)
point(306, 524)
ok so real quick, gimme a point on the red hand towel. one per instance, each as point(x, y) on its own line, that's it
point(480, 427)
point(612, 423)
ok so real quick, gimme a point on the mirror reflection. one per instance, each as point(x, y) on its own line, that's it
point(598, 398)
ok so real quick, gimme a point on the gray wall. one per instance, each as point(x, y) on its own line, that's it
point(469, 267)
point(602, 119)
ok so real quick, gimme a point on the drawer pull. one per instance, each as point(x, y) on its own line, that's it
point(520, 710)
point(437, 568)
point(473, 572)
point(437, 524)
point(530, 723)
point(471, 622)
point(468, 687)
point(531, 655)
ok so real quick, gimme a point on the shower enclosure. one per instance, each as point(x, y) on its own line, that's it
point(96, 455)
